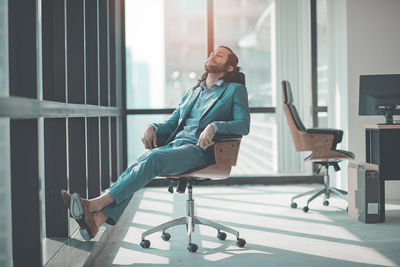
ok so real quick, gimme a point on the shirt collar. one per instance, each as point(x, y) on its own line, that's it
point(218, 84)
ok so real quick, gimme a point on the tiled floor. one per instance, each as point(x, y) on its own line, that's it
point(276, 235)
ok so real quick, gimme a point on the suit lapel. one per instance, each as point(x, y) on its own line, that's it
point(187, 107)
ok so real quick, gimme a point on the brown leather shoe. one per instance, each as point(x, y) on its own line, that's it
point(67, 198)
point(80, 212)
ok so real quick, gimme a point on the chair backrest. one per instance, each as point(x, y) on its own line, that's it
point(235, 77)
point(288, 101)
point(320, 143)
point(242, 77)
point(296, 126)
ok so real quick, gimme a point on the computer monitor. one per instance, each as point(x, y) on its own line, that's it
point(380, 95)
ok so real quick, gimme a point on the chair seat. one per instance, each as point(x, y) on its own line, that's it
point(330, 156)
point(215, 171)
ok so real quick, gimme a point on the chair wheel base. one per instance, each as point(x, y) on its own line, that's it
point(166, 236)
point(305, 209)
point(221, 235)
point(145, 243)
point(240, 242)
point(192, 247)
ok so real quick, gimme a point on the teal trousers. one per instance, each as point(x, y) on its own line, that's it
point(174, 158)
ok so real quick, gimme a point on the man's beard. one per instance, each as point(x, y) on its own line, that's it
point(215, 68)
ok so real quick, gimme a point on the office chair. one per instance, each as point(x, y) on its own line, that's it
point(322, 144)
point(226, 149)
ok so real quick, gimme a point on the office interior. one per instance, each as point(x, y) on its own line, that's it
point(80, 80)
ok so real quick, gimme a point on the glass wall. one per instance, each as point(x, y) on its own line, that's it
point(165, 51)
point(166, 47)
point(258, 150)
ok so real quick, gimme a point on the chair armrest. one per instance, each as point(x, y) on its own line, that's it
point(218, 138)
point(226, 137)
point(323, 131)
point(226, 152)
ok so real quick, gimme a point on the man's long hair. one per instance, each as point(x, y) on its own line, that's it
point(229, 76)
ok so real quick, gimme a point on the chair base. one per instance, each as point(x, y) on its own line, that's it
point(190, 220)
point(326, 190)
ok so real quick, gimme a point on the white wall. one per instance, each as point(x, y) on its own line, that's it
point(373, 47)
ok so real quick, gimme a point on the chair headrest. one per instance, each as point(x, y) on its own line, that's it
point(236, 77)
point(286, 92)
point(242, 78)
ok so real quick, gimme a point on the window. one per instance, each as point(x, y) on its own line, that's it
point(166, 47)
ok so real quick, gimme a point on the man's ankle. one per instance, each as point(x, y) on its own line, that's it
point(93, 207)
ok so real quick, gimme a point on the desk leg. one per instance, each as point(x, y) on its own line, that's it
point(382, 197)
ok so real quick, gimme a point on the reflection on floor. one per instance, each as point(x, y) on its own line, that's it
point(275, 233)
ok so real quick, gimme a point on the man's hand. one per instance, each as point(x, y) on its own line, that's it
point(149, 138)
point(206, 137)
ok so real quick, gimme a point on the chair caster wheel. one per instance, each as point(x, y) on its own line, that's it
point(221, 235)
point(145, 243)
point(192, 247)
point(293, 205)
point(240, 242)
point(326, 203)
point(166, 236)
point(305, 209)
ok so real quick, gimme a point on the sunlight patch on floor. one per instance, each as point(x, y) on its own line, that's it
point(129, 257)
point(322, 248)
point(263, 220)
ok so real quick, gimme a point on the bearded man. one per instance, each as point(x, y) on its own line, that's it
point(218, 104)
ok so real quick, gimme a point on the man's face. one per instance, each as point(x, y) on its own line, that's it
point(216, 62)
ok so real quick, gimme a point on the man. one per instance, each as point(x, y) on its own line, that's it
point(217, 105)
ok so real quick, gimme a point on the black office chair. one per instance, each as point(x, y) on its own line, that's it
point(322, 144)
point(226, 150)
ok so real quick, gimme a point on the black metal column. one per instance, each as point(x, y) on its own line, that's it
point(112, 40)
point(22, 48)
point(123, 86)
point(55, 155)
point(114, 165)
point(77, 156)
point(93, 154)
point(105, 153)
point(53, 46)
point(75, 52)
point(25, 186)
point(103, 52)
point(92, 52)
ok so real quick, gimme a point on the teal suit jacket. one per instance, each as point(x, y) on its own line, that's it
point(229, 110)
